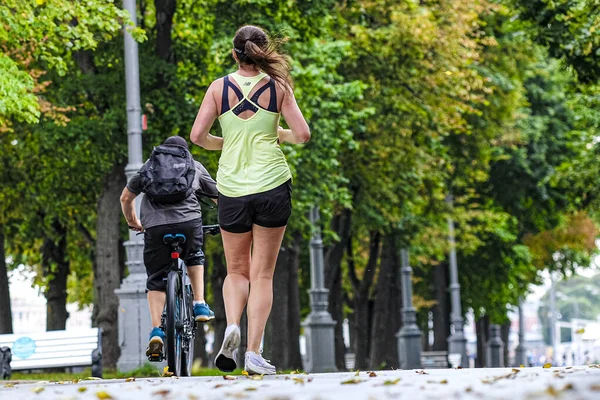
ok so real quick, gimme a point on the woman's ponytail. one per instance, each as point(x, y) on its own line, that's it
point(252, 46)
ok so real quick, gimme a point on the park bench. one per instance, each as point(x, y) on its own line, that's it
point(55, 349)
point(434, 359)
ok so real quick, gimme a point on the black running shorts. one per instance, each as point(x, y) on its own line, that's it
point(270, 209)
point(157, 254)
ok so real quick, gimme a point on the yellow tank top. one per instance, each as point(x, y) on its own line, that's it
point(251, 160)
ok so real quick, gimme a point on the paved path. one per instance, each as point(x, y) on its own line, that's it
point(503, 383)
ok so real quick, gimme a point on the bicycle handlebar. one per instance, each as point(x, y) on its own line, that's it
point(211, 229)
point(207, 229)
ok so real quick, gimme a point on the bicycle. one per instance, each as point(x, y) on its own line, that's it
point(177, 319)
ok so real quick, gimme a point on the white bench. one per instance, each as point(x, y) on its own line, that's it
point(56, 349)
point(434, 359)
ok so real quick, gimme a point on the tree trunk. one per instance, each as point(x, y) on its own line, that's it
point(243, 339)
point(482, 328)
point(283, 329)
point(56, 269)
point(107, 273)
point(200, 353)
point(340, 224)
point(277, 337)
point(441, 311)
point(165, 10)
point(294, 356)
point(386, 311)
point(217, 277)
point(504, 334)
point(5, 310)
point(362, 289)
point(200, 340)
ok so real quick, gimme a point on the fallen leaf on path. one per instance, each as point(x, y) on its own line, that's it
point(421, 372)
point(372, 374)
point(245, 373)
point(257, 377)
point(469, 389)
point(166, 372)
point(310, 379)
point(357, 372)
point(9, 385)
point(569, 368)
point(511, 375)
point(229, 378)
point(131, 379)
point(162, 392)
point(442, 382)
point(394, 382)
point(352, 381)
point(93, 378)
point(595, 366)
point(104, 395)
point(239, 395)
point(38, 389)
point(298, 380)
point(75, 380)
point(250, 389)
point(82, 389)
point(193, 397)
point(548, 365)
point(218, 385)
point(521, 366)
point(595, 388)
point(459, 367)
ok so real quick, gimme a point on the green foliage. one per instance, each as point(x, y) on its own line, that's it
point(407, 101)
point(570, 29)
point(46, 33)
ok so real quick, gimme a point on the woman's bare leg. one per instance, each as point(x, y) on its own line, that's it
point(236, 285)
point(266, 244)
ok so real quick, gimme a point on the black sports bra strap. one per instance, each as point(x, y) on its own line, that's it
point(225, 96)
point(272, 101)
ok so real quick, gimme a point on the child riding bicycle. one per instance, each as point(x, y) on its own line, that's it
point(171, 181)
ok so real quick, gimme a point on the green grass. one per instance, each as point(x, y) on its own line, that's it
point(146, 371)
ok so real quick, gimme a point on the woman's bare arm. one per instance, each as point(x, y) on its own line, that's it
point(299, 131)
point(204, 120)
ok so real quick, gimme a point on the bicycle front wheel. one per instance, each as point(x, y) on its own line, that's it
point(174, 322)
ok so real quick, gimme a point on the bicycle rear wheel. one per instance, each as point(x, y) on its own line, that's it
point(174, 322)
point(187, 312)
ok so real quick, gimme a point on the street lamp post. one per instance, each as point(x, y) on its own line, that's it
point(457, 343)
point(318, 326)
point(553, 329)
point(409, 336)
point(134, 317)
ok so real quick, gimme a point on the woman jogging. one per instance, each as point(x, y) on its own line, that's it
point(253, 180)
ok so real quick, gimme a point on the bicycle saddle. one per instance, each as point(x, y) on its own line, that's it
point(174, 238)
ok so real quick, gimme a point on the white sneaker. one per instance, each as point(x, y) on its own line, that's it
point(226, 358)
point(257, 365)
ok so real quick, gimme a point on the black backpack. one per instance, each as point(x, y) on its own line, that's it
point(168, 175)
